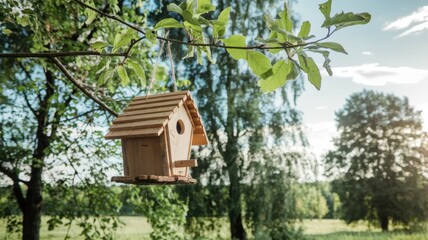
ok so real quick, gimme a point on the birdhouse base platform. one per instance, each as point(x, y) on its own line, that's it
point(154, 180)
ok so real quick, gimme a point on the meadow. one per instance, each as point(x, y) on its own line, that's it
point(326, 229)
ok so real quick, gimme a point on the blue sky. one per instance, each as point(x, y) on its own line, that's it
point(390, 54)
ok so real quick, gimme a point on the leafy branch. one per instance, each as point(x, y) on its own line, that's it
point(82, 88)
point(281, 38)
point(273, 74)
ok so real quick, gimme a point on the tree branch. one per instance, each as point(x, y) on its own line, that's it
point(59, 54)
point(83, 89)
point(260, 47)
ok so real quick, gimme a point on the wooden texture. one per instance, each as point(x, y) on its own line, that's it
point(147, 117)
point(153, 105)
point(143, 156)
point(161, 95)
point(144, 117)
point(165, 156)
point(186, 163)
point(179, 144)
point(154, 100)
point(148, 111)
point(138, 125)
point(153, 180)
point(147, 132)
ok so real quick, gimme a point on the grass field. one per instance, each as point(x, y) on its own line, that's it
point(138, 228)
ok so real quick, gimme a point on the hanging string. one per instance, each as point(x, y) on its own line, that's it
point(155, 68)
point(174, 80)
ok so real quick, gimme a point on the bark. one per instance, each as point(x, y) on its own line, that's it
point(384, 222)
point(231, 156)
point(32, 211)
point(235, 207)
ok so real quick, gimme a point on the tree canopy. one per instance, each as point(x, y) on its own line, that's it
point(93, 56)
point(380, 160)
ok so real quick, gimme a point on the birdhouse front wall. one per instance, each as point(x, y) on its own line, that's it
point(180, 132)
point(142, 156)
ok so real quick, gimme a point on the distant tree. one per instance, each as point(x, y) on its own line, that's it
point(311, 202)
point(380, 160)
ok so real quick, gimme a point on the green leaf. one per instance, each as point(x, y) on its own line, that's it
point(305, 29)
point(236, 41)
point(276, 50)
point(123, 39)
point(105, 76)
point(197, 29)
point(294, 72)
point(150, 35)
point(190, 52)
point(204, 6)
point(280, 70)
point(342, 20)
point(224, 15)
point(333, 46)
point(138, 69)
point(219, 25)
point(90, 14)
point(269, 21)
point(310, 67)
point(190, 17)
point(121, 71)
point(99, 46)
point(286, 20)
point(325, 9)
point(7, 31)
point(172, 7)
point(258, 63)
point(168, 23)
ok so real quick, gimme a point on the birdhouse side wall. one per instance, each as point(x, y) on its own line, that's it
point(142, 156)
point(179, 142)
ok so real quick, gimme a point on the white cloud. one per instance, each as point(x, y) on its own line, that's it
point(415, 23)
point(367, 53)
point(320, 136)
point(374, 74)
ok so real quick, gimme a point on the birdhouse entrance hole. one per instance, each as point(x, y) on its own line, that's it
point(180, 127)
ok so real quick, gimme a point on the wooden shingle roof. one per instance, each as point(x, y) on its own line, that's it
point(148, 117)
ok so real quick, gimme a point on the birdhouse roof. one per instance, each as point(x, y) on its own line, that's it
point(147, 117)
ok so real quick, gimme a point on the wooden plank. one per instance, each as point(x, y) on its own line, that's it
point(165, 154)
point(134, 133)
point(149, 111)
point(125, 158)
point(186, 163)
point(154, 100)
point(121, 179)
point(161, 95)
point(139, 125)
point(199, 139)
point(153, 105)
point(198, 131)
point(135, 118)
point(154, 180)
point(186, 180)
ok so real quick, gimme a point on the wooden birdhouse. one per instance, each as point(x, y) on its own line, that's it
point(157, 133)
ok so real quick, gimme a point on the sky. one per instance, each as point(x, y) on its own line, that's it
point(390, 54)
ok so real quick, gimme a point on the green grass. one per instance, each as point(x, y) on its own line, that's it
point(133, 228)
point(333, 229)
point(138, 228)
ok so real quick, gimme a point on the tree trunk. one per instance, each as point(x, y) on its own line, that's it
point(384, 221)
point(237, 230)
point(32, 213)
